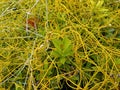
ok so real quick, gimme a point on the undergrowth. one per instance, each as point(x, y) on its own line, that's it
point(59, 45)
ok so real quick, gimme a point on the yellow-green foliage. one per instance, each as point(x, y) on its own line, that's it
point(76, 45)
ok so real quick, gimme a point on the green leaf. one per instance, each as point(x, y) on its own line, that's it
point(62, 60)
point(57, 44)
point(18, 87)
point(67, 47)
point(117, 61)
point(66, 43)
point(75, 77)
point(45, 65)
point(68, 52)
point(63, 47)
point(57, 53)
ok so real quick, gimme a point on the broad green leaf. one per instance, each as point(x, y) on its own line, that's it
point(117, 61)
point(68, 51)
point(62, 60)
point(57, 43)
point(63, 47)
point(67, 47)
point(57, 53)
point(66, 43)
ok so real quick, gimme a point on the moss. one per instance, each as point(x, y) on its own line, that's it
point(75, 45)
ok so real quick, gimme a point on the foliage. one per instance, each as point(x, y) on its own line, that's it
point(59, 45)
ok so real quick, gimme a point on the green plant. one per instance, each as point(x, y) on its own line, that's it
point(63, 49)
point(76, 45)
